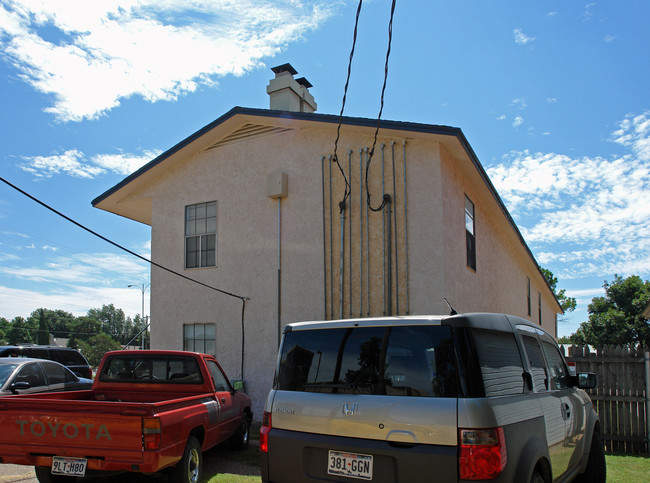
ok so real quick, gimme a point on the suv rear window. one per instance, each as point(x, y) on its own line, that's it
point(395, 361)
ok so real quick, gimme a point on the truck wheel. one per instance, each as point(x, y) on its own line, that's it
point(240, 439)
point(44, 475)
point(596, 471)
point(188, 469)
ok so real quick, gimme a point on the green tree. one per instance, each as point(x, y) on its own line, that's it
point(58, 321)
point(568, 304)
point(43, 336)
point(616, 318)
point(22, 331)
point(95, 348)
point(4, 328)
point(112, 320)
point(83, 329)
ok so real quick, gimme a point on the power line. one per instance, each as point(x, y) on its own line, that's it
point(117, 245)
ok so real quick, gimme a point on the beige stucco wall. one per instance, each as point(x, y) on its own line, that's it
point(235, 176)
point(502, 264)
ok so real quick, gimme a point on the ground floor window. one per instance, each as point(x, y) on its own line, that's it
point(199, 338)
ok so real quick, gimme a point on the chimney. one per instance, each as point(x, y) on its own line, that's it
point(289, 94)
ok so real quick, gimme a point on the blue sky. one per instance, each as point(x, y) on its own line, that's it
point(553, 97)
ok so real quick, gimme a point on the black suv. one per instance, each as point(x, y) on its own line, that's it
point(71, 358)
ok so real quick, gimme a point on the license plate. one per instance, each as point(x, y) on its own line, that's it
point(351, 465)
point(69, 466)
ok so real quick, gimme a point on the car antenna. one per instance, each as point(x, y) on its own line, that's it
point(451, 309)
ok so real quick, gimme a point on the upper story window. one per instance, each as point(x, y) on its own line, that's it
point(469, 233)
point(528, 302)
point(201, 235)
point(539, 307)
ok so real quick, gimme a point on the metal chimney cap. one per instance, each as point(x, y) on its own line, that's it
point(304, 82)
point(284, 68)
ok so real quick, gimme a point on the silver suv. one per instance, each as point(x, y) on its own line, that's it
point(429, 398)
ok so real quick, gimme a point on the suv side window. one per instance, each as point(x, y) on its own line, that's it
point(559, 377)
point(536, 363)
point(500, 362)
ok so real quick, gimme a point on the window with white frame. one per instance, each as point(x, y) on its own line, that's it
point(199, 338)
point(201, 235)
point(469, 233)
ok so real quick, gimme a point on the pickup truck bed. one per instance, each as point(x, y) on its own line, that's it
point(140, 423)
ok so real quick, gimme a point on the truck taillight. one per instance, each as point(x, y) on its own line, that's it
point(151, 433)
point(264, 432)
point(482, 453)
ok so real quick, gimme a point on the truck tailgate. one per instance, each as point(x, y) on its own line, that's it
point(37, 430)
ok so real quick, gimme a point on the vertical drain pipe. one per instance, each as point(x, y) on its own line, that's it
point(342, 259)
point(279, 270)
point(360, 232)
point(322, 172)
point(331, 243)
point(367, 253)
point(392, 147)
point(389, 262)
point(350, 235)
point(277, 184)
point(383, 253)
point(406, 232)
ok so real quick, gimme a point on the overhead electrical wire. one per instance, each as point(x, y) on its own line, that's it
point(335, 158)
point(386, 197)
point(347, 191)
point(150, 262)
point(117, 245)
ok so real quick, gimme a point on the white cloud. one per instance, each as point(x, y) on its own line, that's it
point(591, 213)
point(521, 38)
point(77, 300)
point(609, 38)
point(90, 55)
point(75, 163)
point(78, 269)
point(501, 117)
point(551, 100)
point(518, 121)
point(519, 103)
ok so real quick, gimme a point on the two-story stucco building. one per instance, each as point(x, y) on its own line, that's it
point(250, 205)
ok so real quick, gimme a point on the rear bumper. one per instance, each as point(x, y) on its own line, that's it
point(113, 460)
point(303, 457)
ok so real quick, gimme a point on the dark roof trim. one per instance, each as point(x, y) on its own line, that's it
point(301, 116)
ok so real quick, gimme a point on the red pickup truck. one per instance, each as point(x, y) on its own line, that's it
point(146, 411)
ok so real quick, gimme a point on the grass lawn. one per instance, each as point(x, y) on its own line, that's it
point(225, 466)
point(627, 469)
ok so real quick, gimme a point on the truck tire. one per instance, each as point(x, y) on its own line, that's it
point(239, 440)
point(44, 475)
point(596, 471)
point(188, 469)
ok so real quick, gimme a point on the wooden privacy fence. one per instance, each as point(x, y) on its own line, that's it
point(620, 399)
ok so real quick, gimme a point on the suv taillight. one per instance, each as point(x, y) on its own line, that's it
point(264, 432)
point(482, 453)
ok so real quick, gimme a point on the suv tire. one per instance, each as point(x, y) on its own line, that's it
point(596, 471)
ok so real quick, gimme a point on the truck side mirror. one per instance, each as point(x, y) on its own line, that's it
point(238, 385)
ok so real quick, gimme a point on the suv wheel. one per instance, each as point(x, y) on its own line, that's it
point(596, 471)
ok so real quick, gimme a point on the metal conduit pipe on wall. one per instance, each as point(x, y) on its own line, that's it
point(406, 232)
point(392, 146)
